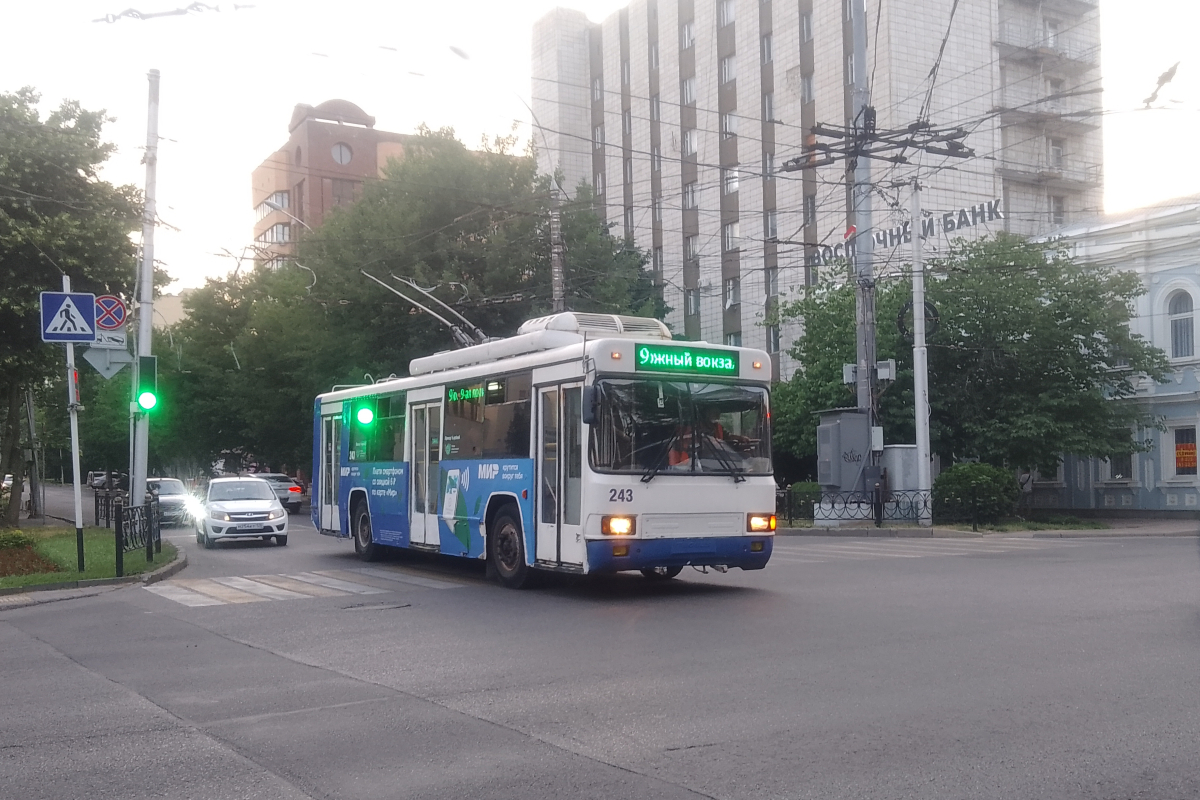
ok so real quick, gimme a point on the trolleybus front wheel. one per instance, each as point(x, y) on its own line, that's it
point(661, 573)
point(364, 543)
point(507, 549)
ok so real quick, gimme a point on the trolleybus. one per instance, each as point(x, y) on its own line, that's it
point(586, 443)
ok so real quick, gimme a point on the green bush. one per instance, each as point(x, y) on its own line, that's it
point(14, 540)
point(974, 493)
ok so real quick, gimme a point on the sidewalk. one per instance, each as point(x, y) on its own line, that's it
point(1116, 527)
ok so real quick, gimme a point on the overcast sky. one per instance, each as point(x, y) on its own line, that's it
point(230, 81)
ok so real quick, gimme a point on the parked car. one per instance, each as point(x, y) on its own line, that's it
point(99, 480)
point(240, 508)
point(289, 492)
point(172, 500)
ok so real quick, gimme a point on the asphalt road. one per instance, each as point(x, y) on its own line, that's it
point(847, 669)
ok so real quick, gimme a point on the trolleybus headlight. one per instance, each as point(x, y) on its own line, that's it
point(760, 523)
point(618, 526)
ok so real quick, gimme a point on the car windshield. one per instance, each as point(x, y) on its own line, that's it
point(241, 490)
point(168, 487)
point(649, 426)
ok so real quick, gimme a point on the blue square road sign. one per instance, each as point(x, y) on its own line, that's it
point(68, 317)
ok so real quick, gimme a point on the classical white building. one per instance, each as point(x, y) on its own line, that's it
point(681, 114)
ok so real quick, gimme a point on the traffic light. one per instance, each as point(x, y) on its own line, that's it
point(364, 414)
point(147, 382)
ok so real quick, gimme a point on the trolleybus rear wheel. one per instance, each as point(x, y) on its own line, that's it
point(661, 573)
point(364, 542)
point(507, 549)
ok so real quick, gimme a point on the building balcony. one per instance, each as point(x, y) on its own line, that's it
point(1066, 174)
point(1070, 8)
point(1018, 105)
point(1068, 54)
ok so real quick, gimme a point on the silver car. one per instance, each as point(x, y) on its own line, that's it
point(240, 508)
point(289, 492)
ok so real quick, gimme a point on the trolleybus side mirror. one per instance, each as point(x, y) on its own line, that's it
point(591, 405)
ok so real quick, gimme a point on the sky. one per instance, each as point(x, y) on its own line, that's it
point(231, 78)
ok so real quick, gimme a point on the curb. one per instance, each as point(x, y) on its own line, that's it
point(1112, 535)
point(881, 533)
point(159, 574)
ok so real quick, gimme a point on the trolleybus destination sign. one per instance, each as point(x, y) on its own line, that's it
point(654, 358)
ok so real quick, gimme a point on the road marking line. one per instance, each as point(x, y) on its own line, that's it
point(402, 577)
point(334, 583)
point(309, 589)
point(261, 589)
point(212, 589)
point(183, 596)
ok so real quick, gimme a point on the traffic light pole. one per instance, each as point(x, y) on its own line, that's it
point(141, 444)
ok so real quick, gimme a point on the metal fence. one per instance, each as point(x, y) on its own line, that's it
point(876, 507)
point(137, 527)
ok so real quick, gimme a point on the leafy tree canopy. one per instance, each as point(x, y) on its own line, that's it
point(1031, 351)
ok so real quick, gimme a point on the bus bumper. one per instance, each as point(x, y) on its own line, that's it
point(730, 551)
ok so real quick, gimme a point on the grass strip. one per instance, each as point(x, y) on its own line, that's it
point(100, 557)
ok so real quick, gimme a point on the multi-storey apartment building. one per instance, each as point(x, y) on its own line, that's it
point(684, 114)
point(331, 149)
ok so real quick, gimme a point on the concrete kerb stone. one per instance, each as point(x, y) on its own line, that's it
point(894, 533)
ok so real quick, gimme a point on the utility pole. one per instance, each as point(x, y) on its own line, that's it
point(37, 506)
point(137, 477)
point(556, 255)
point(920, 364)
point(862, 125)
point(73, 410)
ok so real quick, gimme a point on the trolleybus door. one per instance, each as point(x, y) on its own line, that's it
point(426, 459)
point(331, 457)
point(560, 474)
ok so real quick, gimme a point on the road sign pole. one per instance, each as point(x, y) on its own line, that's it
point(73, 409)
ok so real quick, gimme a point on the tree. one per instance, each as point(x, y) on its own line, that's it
point(56, 217)
point(1032, 357)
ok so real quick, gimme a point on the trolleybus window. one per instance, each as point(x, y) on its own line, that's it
point(676, 427)
point(488, 419)
point(382, 437)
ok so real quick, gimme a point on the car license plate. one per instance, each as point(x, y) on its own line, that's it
point(248, 526)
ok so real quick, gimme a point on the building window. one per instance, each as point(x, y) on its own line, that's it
point(769, 107)
point(848, 5)
point(729, 180)
point(1056, 148)
point(625, 72)
point(733, 339)
point(597, 89)
point(768, 166)
point(629, 170)
point(729, 68)
point(733, 292)
point(653, 55)
point(725, 12)
point(655, 108)
point(806, 89)
point(691, 195)
point(1185, 451)
point(687, 91)
point(1053, 29)
point(656, 208)
point(1120, 468)
point(691, 302)
point(765, 50)
point(810, 209)
point(687, 35)
point(772, 338)
point(627, 121)
point(629, 223)
point(264, 210)
point(770, 224)
point(771, 279)
point(344, 192)
point(279, 233)
point(691, 247)
point(689, 142)
point(342, 153)
point(806, 29)
point(729, 125)
point(655, 159)
point(731, 236)
point(657, 259)
point(599, 184)
point(1058, 210)
point(598, 137)
point(850, 69)
point(1182, 325)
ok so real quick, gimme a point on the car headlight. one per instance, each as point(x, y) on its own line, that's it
point(618, 525)
point(276, 514)
point(194, 507)
point(760, 523)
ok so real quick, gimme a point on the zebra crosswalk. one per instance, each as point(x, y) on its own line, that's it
point(817, 551)
point(235, 589)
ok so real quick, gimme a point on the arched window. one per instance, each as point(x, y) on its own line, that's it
point(1182, 325)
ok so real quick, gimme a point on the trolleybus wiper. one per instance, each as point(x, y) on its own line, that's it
point(661, 456)
point(723, 459)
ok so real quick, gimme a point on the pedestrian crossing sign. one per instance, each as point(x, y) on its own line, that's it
point(68, 317)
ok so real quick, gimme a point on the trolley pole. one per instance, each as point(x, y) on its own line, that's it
point(920, 364)
point(137, 479)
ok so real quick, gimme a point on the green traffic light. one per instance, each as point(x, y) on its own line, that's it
point(365, 416)
point(147, 400)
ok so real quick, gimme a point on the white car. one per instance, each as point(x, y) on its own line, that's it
point(240, 508)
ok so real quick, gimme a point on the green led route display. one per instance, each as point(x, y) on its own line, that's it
point(465, 393)
point(691, 360)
